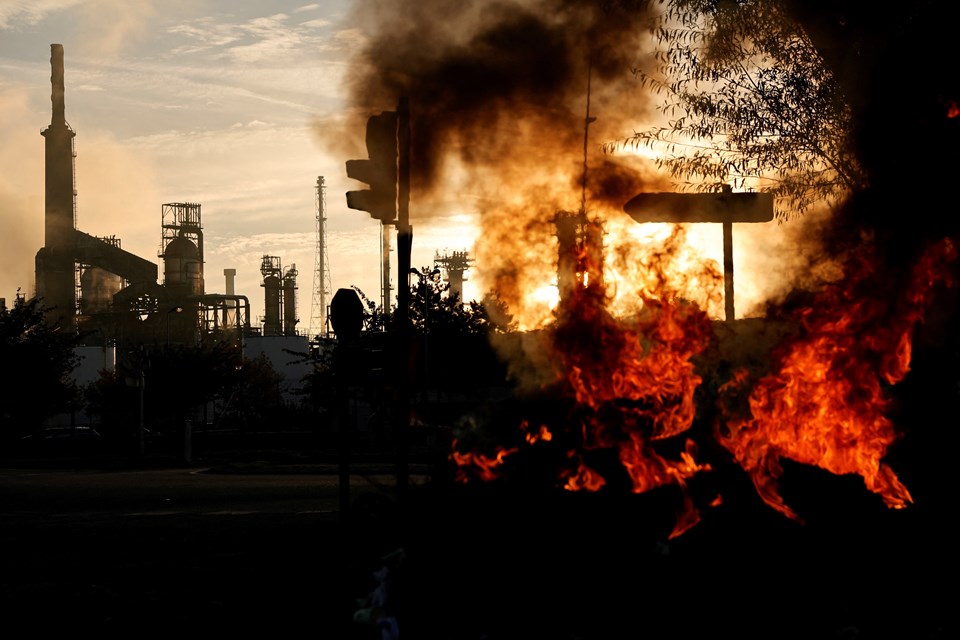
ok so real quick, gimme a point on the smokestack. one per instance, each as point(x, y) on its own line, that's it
point(230, 275)
point(56, 81)
point(60, 187)
point(55, 265)
point(230, 306)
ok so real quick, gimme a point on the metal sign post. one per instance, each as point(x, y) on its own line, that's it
point(724, 207)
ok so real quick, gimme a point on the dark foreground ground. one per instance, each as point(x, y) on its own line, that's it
point(493, 561)
point(188, 568)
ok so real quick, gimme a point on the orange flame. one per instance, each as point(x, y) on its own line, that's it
point(635, 386)
point(485, 467)
point(542, 434)
point(952, 109)
point(583, 479)
point(825, 404)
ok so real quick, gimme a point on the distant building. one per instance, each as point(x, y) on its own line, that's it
point(287, 356)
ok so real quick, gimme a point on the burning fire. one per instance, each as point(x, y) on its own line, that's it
point(486, 467)
point(826, 400)
point(952, 109)
point(630, 384)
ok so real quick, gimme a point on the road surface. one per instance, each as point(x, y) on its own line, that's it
point(189, 549)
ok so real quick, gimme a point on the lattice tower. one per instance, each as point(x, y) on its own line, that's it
point(322, 288)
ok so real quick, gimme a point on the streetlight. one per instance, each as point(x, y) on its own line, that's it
point(142, 365)
point(176, 309)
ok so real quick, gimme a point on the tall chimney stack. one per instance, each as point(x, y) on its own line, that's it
point(56, 81)
point(55, 262)
point(230, 275)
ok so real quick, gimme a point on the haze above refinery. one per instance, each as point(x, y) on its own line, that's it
point(215, 102)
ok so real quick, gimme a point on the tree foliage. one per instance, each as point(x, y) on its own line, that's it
point(445, 348)
point(434, 309)
point(39, 358)
point(748, 102)
point(452, 350)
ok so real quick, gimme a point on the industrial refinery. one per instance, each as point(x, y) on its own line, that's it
point(113, 297)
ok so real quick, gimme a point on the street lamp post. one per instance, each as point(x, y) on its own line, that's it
point(142, 365)
point(176, 309)
point(141, 383)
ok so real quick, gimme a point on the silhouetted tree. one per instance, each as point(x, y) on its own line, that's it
point(434, 309)
point(748, 102)
point(38, 359)
point(254, 396)
point(449, 348)
point(178, 381)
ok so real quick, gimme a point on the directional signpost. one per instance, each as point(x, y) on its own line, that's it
point(724, 207)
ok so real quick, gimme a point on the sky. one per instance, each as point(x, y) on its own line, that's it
point(241, 106)
point(211, 102)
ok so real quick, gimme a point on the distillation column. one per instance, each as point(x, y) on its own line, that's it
point(272, 275)
point(290, 319)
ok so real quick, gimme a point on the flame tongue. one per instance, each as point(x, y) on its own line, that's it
point(646, 373)
point(826, 402)
point(633, 386)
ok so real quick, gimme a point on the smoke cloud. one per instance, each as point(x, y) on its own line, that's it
point(110, 25)
point(496, 83)
point(20, 205)
point(499, 95)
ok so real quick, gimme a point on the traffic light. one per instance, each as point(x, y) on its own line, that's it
point(379, 171)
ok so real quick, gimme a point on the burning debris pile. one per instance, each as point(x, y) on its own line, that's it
point(593, 501)
point(629, 385)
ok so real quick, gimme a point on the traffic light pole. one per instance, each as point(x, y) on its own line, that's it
point(387, 171)
point(404, 245)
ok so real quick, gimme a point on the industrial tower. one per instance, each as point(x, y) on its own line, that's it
point(319, 320)
point(280, 302)
point(454, 264)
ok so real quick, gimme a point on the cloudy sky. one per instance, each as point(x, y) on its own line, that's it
point(216, 102)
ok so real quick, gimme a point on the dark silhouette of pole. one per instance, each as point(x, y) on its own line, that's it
point(140, 384)
point(346, 317)
point(404, 245)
